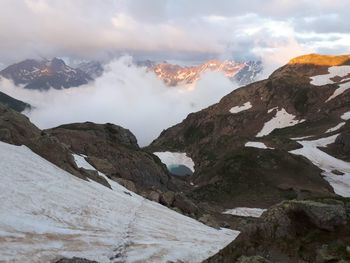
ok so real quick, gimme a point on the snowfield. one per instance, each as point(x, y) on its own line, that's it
point(171, 159)
point(282, 119)
point(335, 71)
point(260, 145)
point(346, 116)
point(46, 213)
point(245, 106)
point(245, 211)
point(327, 163)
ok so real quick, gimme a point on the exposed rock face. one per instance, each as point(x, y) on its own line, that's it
point(75, 260)
point(45, 74)
point(16, 129)
point(94, 69)
point(294, 231)
point(341, 147)
point(12, 103)
point(230, 174)
point(113, 150)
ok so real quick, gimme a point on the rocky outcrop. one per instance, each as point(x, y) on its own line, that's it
point(16, 129)
point(113, 151)
point(294, 231)
point(12, 103)
point(341, 147)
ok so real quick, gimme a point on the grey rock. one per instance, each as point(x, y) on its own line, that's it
point(75, 260)
point(252, 259)
point(167, 198)
point(185, 204)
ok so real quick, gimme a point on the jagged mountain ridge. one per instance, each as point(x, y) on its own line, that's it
point(174, 75)
point(45, 74)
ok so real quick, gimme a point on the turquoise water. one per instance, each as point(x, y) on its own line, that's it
point(180, 170)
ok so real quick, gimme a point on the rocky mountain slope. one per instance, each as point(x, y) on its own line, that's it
point(43, 74)
point(13, 103)
point(174, 75)
point(294, 231)
point(114, 151)
point(278, 148)
point(92, 68)
point(246, 148)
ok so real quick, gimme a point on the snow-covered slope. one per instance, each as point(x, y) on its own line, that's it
point(47, 213)
point(328, 163)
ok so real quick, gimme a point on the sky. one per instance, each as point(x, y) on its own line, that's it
point(172, 29)
point(118, 32)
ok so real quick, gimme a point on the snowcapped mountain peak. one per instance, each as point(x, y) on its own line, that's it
point(45, 74)
point(173, 75)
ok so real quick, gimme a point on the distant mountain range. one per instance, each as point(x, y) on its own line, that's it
point(173, 75)
point(55, 73)
point(43, 74)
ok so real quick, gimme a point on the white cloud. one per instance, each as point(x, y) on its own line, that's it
point(125, 95)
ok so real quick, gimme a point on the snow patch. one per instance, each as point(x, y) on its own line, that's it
point(260, 145)
point(171, 159)
point(47, 213)
point(245, 211)
point(336, 127)
point(82, 163)
point(342, 88)
point(327, 163)
point(245, 106)
point(346, 116)
point(282, 119)
point(272, 109)
point(336, 71)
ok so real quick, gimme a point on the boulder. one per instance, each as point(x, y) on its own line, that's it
point(209, 221)
point(127, 184)
point(324, 216)
point(94, 175)
point(185, 204)
point(167, 198)
point(153, 196)
point(294, 231)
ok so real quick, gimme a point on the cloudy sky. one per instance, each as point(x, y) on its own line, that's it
point(119, 31)
point(172, 29)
